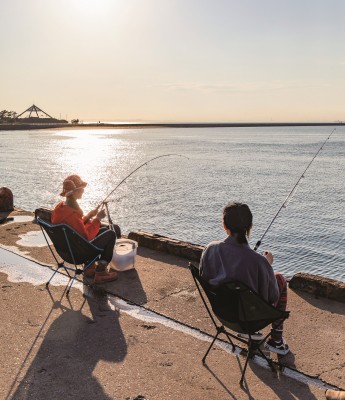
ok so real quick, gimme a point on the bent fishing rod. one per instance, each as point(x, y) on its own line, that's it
point(284, 205)
point(104, 201)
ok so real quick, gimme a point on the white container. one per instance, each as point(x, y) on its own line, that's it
point(124, 254)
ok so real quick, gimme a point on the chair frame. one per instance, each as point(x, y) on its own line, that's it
point(72, 270)
point(253, 346)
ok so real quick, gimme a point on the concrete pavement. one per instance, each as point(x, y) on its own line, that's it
point(92, 346)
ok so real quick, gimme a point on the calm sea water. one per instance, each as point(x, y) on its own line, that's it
point(183, 198)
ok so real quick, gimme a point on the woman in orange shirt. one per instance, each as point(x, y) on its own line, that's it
point(69, 212)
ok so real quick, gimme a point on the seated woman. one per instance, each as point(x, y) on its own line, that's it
point(69, 212)
point(233, 259)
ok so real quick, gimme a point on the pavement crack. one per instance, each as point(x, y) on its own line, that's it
point(339, 368)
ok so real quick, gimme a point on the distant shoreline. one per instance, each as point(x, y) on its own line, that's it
point(16, 127)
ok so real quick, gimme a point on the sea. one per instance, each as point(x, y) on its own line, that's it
point(292, 178)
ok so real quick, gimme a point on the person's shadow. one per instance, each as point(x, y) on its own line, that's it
point(295, 390)
point(268, 378)
point(71, 349)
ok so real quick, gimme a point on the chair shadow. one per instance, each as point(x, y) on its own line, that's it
point(71, 349)
point(288, 360)
point(128, 287)
point(270, 379)
point(222, 384)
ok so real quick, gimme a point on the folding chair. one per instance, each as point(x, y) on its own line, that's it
point(71, 247)
point(241, 310)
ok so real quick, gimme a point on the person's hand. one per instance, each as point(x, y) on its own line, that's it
point(269, 256)
point(92, 213)
point(101, 214)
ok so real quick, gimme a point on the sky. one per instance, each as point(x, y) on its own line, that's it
point(174, 60)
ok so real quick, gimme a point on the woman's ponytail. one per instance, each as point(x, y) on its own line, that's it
point(238, 218)
point(242, 236)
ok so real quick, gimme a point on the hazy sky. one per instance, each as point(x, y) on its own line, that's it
point(174, 60)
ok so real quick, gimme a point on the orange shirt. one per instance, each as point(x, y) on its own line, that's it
point(64, 214)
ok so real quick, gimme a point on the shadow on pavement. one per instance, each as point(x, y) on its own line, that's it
point(72, 347)
point(283, 387)
point(331, 306)
point(162, 257)
point(128, 287)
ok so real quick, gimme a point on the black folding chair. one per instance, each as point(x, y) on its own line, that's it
point(71, 247)
point(238, 309)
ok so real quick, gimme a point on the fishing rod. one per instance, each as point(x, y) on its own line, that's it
point(284, 205)
point(104, 201)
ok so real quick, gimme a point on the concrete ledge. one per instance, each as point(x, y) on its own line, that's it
point(319, 286)
point(178, 248)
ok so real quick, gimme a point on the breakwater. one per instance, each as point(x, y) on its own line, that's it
point(7, 127)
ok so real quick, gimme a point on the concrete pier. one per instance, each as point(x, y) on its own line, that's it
point(142, 337)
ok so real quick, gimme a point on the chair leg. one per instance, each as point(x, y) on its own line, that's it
point(60, 265)
point(208, 350)
point(252, 348)
point(231, 342)
point(269, 361)
point(249, 355)
point(70, 283)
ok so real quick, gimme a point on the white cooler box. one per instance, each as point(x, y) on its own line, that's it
point(124, 254)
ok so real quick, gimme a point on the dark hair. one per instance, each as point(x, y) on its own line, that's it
point(238, 218)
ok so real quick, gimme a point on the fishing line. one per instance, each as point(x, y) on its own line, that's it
point(292, 192)
point(104, 201)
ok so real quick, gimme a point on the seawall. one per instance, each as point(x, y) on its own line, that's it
point(308, 283)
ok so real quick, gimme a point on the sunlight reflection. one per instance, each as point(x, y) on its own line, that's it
point(72, 133)
point(101, 158)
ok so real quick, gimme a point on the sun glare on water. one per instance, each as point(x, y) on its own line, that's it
point(86, 153)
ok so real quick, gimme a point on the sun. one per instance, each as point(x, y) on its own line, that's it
point(96, 8)
point(91, 8)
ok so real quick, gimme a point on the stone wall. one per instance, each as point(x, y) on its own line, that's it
point(178, 248)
